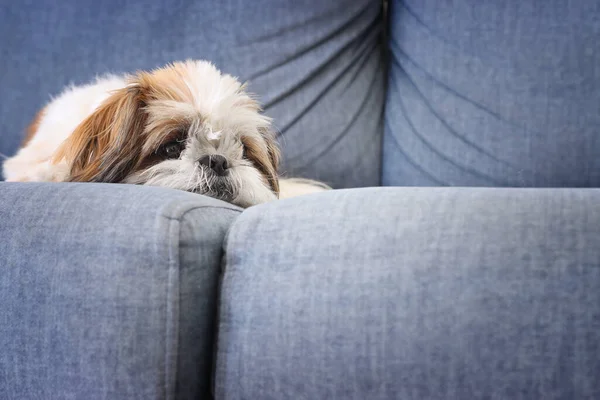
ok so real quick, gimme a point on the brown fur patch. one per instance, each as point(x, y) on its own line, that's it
point(106, 146)
point(266, 163)
point(167, 83)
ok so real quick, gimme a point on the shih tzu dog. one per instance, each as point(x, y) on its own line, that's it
point(186, 126)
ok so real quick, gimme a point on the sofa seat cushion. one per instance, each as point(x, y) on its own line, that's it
point(108, 291)
point(413, 293)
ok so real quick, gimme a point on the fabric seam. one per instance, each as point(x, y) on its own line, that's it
point(172, 300)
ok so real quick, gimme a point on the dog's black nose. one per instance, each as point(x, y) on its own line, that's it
point(216, 163)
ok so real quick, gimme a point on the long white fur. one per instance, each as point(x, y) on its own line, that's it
point(61, 117)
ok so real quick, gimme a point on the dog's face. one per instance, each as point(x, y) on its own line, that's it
point(185, 126)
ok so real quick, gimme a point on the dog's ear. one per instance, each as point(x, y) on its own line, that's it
point(265, 155)
point(106, 146)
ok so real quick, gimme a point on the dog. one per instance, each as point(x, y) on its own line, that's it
point(185, 126)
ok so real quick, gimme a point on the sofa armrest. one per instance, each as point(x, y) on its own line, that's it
point(107, 291)
point(413, 293)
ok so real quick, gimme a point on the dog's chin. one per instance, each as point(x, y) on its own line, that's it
point(225, 189)
point(243, 187)
point(238, 192)
point(220, 188)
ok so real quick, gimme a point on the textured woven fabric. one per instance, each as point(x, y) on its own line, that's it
point(107, 291)
point(493, 93)
point(402, 293)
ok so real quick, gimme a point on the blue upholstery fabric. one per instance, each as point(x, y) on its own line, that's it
point(110, 291)
point(316, 65)
point(414, 293)
point(493, 93)
point(107, 291)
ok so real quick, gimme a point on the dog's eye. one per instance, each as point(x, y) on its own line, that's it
point(172, 149)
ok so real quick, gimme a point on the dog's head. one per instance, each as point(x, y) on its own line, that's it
point(186, 126)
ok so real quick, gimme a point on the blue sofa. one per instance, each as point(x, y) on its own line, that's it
point(473, 274)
